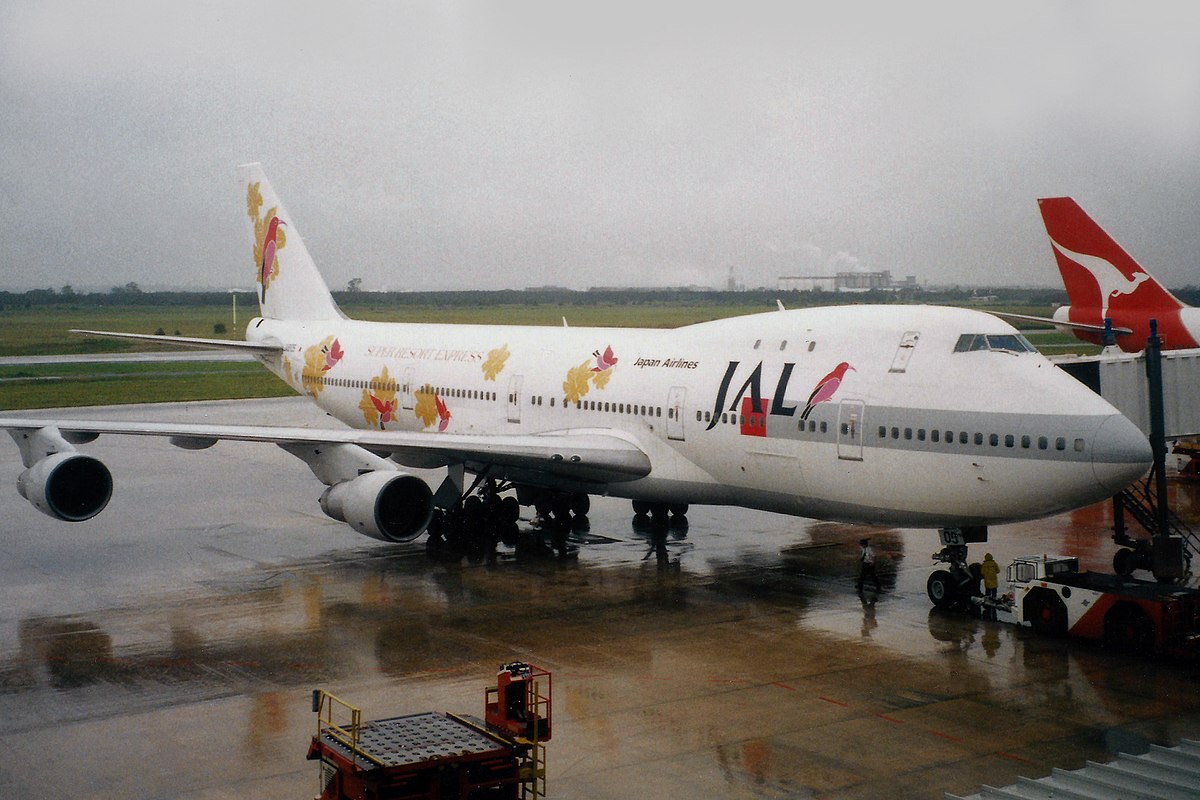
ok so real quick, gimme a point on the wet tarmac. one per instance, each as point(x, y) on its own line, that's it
point(168, 648)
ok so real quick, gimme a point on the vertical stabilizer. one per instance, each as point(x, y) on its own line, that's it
point(1096, 271)
point(289, 285)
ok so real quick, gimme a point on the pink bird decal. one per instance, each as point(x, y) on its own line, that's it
point(387, 410)
point(333, 354)
point(268, 253)
point(443, 413)
point(604, 361)
point(826, 387)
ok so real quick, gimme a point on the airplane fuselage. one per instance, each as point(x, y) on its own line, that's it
point(866, 414)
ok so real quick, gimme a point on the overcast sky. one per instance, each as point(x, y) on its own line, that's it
point(501, 144)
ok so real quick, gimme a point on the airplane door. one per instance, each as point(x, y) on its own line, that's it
point(908, 343)
point(675, 413)
point(850, 430)
point(409, 391)
point(514, 399)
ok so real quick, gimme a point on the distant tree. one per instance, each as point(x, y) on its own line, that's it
point(160, 332)
point(354, 285)
point(67, 291)
point(219, 327)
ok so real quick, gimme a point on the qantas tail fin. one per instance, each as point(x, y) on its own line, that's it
point(1096, 271)
point(289, 285)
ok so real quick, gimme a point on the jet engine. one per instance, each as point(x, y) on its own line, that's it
point(68, 486)
point(384, 504)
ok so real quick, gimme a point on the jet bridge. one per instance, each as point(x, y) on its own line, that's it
point(1120, 378)
point(1156, 391)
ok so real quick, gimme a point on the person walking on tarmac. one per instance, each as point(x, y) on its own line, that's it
point(866, 565)
point(991, 575)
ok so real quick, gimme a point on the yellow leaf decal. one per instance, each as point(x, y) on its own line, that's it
point(495, 362)
point(378, 402)
point(426, 405)
point(312, 377)
point(576, 384)
point(600, 379)
point(254, 202)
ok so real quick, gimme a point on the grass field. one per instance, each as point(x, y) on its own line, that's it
point(43, 331)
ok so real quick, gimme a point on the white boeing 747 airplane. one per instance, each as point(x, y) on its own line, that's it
point(903, 415)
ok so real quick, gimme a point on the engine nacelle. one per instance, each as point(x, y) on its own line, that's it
point(67, 486)
point(386, 505)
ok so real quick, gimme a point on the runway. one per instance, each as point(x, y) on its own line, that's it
point(168, 647)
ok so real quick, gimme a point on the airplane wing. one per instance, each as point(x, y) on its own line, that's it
point(590, 455)
point(1079, 326)
point(188, 341)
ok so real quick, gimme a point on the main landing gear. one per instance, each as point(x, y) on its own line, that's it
point(484, 517)
point(661, 515)
point(955, 586)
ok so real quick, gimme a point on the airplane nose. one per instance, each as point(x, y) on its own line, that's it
point(1120, 453)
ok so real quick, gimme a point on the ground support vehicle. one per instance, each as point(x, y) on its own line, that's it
point(439, 756)
point(1053, 596)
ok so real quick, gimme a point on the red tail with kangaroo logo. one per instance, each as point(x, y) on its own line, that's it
point(1103, 281)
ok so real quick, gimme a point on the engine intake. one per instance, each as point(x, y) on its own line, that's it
point(386, 505)
point(67, 486)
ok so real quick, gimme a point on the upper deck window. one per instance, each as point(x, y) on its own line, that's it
point(1008, 342)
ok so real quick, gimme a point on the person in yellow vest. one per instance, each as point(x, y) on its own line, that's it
point(991, 575)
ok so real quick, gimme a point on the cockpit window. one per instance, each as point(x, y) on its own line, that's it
point(1010, 342)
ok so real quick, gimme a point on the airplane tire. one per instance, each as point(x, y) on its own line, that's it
point(1128, 629)
point(678, 509)
point(1124, 562)
point(581, 504)
point(942, 589)
point(641, 507)
point(1046, 613)
point(510, 509)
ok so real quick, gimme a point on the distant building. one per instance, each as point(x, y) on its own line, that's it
point(846, 282)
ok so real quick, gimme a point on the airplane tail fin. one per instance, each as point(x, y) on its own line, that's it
point(1096, 271)
point(289, 285)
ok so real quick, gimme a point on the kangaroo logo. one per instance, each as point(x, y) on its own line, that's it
point(1108, 277)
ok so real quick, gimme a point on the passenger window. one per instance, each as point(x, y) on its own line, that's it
point(978, 439)
point(757, 342)
point(1010, 440)
point(783, 345)
point(935, 435)
point(1026, 442)
point(994, 440)
point(920, 434)
point(908, 434)
point(699, 417)
point(882, 431)
point(845, 429)
point(812, 346)
point(949, 437)
point(1060, 443)
point(895, 433)
point(824, 428)
point(1079, 445)
point(724, 418)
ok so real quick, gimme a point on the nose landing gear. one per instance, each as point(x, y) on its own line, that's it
point(954, 587)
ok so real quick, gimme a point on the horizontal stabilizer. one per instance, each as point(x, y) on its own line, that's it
point(1078, 326)
point(189, 341)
